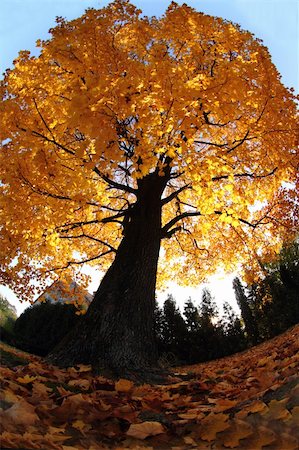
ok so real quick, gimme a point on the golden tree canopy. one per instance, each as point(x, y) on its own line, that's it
point(114, 96)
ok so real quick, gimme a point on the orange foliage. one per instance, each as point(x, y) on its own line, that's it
point(115, 96)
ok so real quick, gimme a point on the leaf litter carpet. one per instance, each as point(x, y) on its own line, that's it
point(247, 401)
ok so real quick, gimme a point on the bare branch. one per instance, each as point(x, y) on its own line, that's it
point(240, 142)
point(176, 219)
point(237, 142)
point(250, 175)
point(175, 194)
point(72, 225)
point(176, 175)
point(116, 216)
point(115, 184)
point(187, 204)
point(83, 235)
point(83, 261)
point(42, 118)
point(53, 141)
point(171, 232)
point(39, 191)
point(211, 143)
point(207, 120)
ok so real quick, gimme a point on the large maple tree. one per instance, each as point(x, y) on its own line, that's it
point(130, 137)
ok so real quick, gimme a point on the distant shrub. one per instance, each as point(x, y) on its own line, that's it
point(8, 315)
point(42, 326)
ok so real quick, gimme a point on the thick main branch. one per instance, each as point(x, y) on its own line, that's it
point(115, 184)
point(165, 230)
point(173, 195)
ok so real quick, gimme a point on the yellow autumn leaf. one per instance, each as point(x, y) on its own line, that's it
point(123, 385)
point(26, 379)
point(81, 426)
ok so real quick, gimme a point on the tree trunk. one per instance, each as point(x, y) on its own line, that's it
point(117, 331)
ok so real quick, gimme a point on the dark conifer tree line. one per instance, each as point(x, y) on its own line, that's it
point(272, 306)
point(198, 333)
point(267, 309)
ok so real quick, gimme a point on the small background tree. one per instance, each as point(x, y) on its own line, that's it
point(42, 326)
point(8, 314)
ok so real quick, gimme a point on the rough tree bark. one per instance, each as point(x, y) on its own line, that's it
point(117, 331)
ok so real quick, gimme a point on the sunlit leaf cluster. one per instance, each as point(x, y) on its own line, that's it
point(114, 96)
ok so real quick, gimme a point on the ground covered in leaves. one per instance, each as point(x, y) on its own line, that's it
point(247, 401)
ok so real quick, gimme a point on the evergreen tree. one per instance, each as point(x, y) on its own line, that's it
point(233, 334)
point(276, 298)
point(246, 312)
point(208, 309)
point(192, 317)
point(209, 333)
point(158, 327)
point(194, 343)
point(42, 326)
point(174, 330)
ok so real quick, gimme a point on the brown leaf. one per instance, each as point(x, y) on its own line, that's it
point(69, 447)
point(286, 442)
point(262, 362)
point(56, 430)
point(80, 382)
point(191, 414)
point(145, 429)
point(277, 410)
point(239, 430)
point(262, 437)
point(83, 368)
point(40, 391)
point(223, 404)
point(254, 407)
point(21, 413)
point(295, 413)
point(9, 396)
point(213, 424)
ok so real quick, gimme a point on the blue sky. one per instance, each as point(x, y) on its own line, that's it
point(22, 22)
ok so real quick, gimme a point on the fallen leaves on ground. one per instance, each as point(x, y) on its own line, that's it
point(247, 401)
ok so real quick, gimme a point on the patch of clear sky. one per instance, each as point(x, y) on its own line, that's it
point(22, 22)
